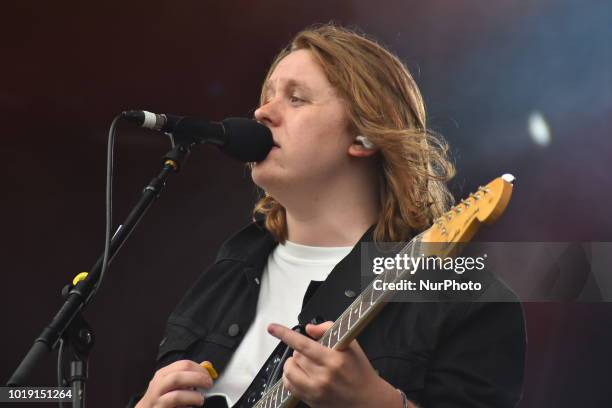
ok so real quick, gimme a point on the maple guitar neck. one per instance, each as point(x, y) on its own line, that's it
point(458, 225)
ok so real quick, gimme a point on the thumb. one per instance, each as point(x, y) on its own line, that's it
point(316, 330)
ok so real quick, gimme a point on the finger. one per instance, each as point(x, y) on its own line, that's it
point(354, 351)
point(182, 380)
point(317, 330)
point(354, 347)
point(181, 365)
point(296, 341)
point(296, 380)
point(309, 367)
point(181, 398)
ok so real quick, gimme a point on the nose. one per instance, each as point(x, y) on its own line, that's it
point(267, 114)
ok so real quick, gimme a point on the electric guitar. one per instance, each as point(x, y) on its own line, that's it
point(456, 226)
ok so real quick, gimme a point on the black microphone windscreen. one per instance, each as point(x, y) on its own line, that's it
point(247, 140)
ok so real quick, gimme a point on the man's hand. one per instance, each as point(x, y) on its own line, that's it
point(174, 386)
point(322, 377)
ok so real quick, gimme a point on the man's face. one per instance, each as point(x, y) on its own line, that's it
point(309, 124)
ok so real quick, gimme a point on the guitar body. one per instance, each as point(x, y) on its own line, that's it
point(266, 376)
point(262, 381)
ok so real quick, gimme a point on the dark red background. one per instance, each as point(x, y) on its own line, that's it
point(68, 67)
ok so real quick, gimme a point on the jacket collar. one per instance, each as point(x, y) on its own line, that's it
point(252, 246)
point(338, 291)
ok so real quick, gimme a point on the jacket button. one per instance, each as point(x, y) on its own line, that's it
point(349, 293)
point(233, 330)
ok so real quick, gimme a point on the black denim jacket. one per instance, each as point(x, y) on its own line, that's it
point(441, 354)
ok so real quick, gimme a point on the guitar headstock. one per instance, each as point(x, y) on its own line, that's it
point(485, 205)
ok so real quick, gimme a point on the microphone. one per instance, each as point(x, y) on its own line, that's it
point(241, 138)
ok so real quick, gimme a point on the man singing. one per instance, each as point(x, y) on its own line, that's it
point(353, 161)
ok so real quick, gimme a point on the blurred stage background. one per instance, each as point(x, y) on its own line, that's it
point(515, 86)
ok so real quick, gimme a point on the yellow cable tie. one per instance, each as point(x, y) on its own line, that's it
point(79, 277)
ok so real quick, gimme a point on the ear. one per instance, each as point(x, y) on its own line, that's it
point(356, 149)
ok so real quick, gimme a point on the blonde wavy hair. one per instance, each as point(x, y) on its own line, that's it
point(385, 105)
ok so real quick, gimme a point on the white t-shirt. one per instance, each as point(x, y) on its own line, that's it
point(289, 270)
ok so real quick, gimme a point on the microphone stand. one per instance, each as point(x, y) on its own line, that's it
point(68, 324)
